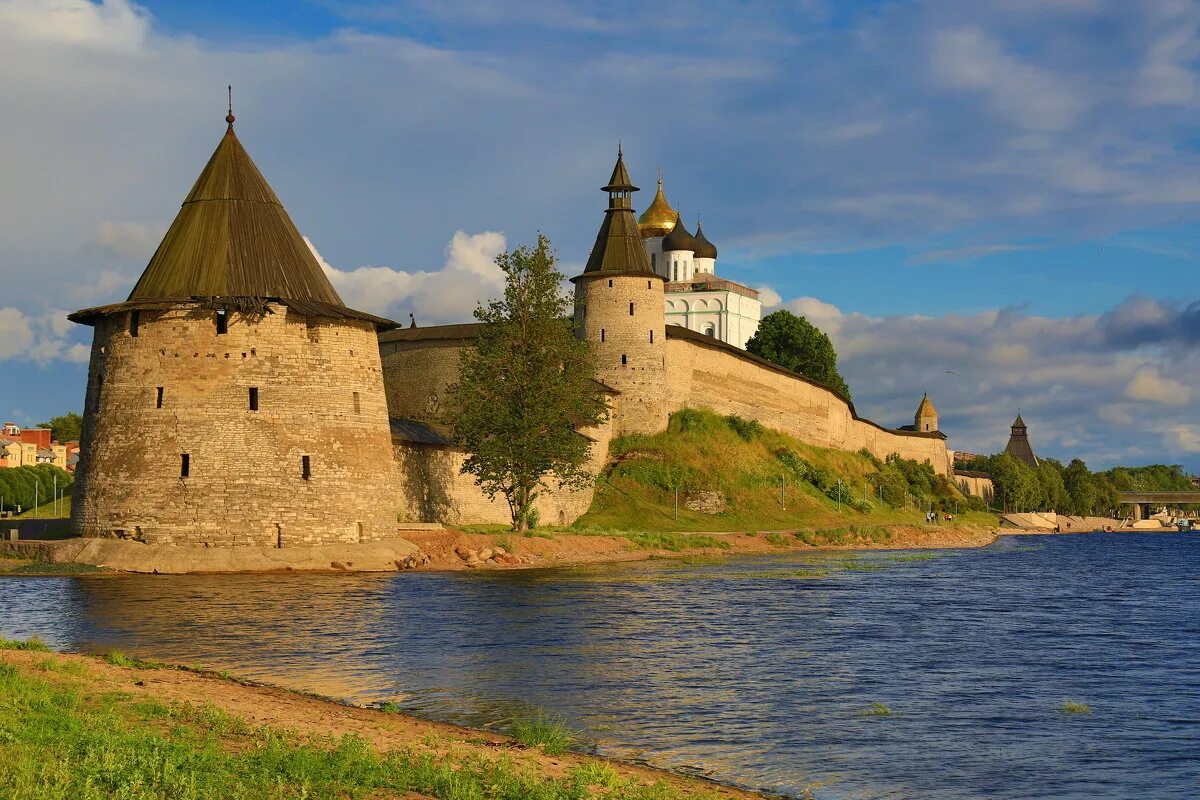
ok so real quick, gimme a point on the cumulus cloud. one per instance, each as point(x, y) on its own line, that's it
point(108, 25)
point(1083, 391)
point(128, 239)
point(40, 339)
point(449, 294)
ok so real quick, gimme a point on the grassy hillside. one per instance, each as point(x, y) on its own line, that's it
point(702, 452)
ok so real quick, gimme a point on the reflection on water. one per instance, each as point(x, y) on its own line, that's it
point(755, 671)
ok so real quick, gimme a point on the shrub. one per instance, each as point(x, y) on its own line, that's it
point(32, 643)
point(778, 539)
point(745, 428)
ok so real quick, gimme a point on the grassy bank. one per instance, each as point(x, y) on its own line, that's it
point(88, 728)
point(760, 479)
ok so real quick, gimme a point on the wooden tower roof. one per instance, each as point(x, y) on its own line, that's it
point(233, 238)
point(618, 248)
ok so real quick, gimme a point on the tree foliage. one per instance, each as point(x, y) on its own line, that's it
point(17, 485)
point(525, 388)
point(66, 428)
point(796, 344)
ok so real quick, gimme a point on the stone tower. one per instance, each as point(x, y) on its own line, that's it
point(1018, 443)
point(926, 418)
point(619, 309)
point(233, 399)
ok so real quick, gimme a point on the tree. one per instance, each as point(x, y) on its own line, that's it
point(66, 428)
point(1053, 491)
point(796, 344)
point(1016, 483)
point(525, 388)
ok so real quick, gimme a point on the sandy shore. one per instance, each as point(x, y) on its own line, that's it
point(311, 718)
point(451, 549)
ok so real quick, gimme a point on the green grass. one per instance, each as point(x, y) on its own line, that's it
point(32, 643)
point(119, 659)
point(747, 464)
point(541, 730)
point(390, 706)
point(877, 710)
point(44, 568)
point(60, 740)
point(780, 540)
point(1073, 707)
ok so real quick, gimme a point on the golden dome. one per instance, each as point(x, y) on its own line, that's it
point(659, 218)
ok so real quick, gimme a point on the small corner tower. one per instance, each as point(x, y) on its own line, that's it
point(233, 399)
point(619, 310)
point(926, 418)
point(1018, 443)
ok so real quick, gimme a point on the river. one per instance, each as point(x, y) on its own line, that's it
point(755, 671)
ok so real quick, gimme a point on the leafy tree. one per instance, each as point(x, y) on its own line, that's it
point(796, 344)
point(1081, 487)
point(66, 428)
point(1015, 482)
point(524, 388)
point(1051, 489)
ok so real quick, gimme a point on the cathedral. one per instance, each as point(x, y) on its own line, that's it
point(696, 298)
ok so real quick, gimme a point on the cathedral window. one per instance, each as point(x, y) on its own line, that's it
point(254, 398)
point(653, 260)
point(222, 322)
point(305, 467)
point(135, 320)
point(159, 398)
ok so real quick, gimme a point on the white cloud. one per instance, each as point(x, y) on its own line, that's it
point(449, 294)
point(1097, 387)
point(109, 25)
point(41, 339)
point(128, 239)
point(1147, 384)
point(769, 297)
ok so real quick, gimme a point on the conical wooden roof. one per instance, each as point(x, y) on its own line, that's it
point(926, 409)
point(232, 238)
point(618, 248)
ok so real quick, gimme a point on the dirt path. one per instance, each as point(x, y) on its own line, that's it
point(280, 709)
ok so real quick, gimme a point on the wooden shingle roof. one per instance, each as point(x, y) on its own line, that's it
point(233, 238)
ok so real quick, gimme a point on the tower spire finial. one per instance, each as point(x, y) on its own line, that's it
point(660, 174)
point(229, 117)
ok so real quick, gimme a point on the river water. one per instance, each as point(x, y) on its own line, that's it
point(754, 671)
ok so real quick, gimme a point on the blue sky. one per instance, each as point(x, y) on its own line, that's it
point(1008, 190)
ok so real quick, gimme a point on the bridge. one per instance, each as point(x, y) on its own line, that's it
point(1143, 501)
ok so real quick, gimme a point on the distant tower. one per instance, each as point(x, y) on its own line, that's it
point(1018, 443)
point(233, 399)
point(619, 309)
point(926, 418)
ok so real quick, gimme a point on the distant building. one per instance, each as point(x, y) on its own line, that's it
point(20, 447)
point(695, 298)
point(1018, 443)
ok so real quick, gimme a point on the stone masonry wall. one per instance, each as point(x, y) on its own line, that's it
point(416, 376)
point(622, 317)
point(699, 376)
point(320, 394)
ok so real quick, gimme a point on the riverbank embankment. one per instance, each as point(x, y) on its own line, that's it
point(108, 724)
point(449, 549)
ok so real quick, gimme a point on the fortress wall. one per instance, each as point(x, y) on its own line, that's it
point(710, 376)
point(434, 490)
point(245, 485)
point(976, 485)
point(416, 376)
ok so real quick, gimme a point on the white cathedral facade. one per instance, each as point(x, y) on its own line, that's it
point(696, 298)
